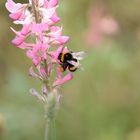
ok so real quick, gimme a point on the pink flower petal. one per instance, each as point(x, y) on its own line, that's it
point(46, 3)
point(39, 27)
point(52, 3)
point(55, 19)
point(25, 30)
point(63, 39)
point(23, 46)
point(47, 13)
point(55, 32)
point(18, 40)
point(26, 19)
point(29, 53)
point(64, 80)
point(38, 53)
point(59, 40)
point(12, 6)
point(15, 16)
point(56, 53)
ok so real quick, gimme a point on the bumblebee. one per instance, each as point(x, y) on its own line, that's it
point(70, 60)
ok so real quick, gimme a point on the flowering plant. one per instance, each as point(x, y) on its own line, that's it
point(45, 45)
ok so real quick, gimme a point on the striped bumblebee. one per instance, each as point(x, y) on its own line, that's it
point(70, 60)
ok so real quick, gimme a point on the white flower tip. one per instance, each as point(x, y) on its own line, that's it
point(33, 92)
point(57, 6)
point(13, 30)
point(44, 90)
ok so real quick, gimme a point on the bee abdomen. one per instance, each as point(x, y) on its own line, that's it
point(72, 68)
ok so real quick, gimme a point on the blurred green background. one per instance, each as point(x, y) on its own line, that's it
point(102, 102)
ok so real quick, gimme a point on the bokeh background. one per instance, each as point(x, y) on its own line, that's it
point(102, 102)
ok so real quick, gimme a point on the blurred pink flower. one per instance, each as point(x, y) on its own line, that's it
point(100, 24)
point(38, 19)
point(44, 44)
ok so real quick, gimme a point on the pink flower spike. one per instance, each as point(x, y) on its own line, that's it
point(63, 80)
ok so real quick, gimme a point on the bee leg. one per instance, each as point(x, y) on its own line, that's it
point(63, 67)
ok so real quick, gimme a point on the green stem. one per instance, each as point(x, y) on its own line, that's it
point(50, 130)
point(47, 130)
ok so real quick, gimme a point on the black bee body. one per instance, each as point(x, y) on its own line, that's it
point(65, 59)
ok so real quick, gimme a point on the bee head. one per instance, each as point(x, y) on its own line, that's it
point(68, 56)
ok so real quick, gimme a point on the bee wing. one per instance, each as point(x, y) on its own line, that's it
point(76, 64)
point(79, 55)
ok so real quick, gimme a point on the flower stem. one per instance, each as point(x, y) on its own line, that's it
point(35, 12)
point(47, 130)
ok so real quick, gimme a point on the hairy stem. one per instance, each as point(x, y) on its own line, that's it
point(35, 12)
